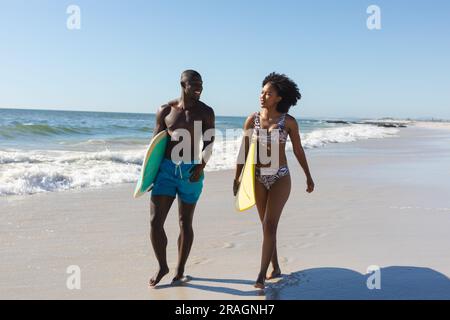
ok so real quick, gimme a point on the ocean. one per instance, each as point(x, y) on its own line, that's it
point(48, 151)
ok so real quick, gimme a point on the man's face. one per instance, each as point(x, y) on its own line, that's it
point(193, 88)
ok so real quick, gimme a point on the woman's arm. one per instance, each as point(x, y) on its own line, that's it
point(243, 151)
point(299, 153)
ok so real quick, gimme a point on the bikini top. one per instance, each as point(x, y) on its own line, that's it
point(282, 133)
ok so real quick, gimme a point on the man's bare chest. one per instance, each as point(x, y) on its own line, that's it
point(182, 120)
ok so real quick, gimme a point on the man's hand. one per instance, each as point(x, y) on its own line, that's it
point(197, 172)
point(235, 187)
point(310, 185)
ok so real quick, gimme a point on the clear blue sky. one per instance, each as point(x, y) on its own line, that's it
point(128, 55)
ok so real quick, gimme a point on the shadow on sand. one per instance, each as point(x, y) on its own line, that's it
point(191, 283)
point(396, 282)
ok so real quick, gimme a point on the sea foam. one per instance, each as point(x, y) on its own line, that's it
point(35, 171)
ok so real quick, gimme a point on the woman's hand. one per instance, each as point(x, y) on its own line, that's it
point(235, 187)
point(310, 185)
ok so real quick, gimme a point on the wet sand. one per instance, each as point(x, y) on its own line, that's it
point(377, 202)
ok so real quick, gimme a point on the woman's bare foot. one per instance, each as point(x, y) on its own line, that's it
point(276, 273)
point(158, 276)
point(260, 282)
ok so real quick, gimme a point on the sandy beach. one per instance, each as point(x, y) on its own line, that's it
point(382, 202)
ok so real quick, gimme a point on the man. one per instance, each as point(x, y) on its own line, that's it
point(181, 171)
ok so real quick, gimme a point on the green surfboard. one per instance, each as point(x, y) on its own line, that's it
point(150, 166)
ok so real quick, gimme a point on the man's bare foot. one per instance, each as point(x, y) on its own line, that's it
point(180, 279)
point(260, 282)
point(158, 276)
point(276, 273)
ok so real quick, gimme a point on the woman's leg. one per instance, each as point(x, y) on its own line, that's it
point(261, 194)
point(276, 199)
point(261, 202)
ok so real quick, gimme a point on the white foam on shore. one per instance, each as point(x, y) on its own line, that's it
point(29, 172)
point(432, 124)
point(354, 132)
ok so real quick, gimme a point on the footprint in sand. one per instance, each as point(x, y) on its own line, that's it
point(285, 260)
point(241, 233)
point(200, 261)
point(224, 245)
point(228, 245)
point(307, 235)
point(305, 245)
point(321, 235)
point(301, 245)
point(315, 235)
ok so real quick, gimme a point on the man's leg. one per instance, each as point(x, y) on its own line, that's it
point(186, 237)
point(159, 208)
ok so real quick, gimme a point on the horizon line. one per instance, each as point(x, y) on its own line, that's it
point(232, 116)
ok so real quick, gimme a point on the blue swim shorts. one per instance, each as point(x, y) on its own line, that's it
point(173, 179)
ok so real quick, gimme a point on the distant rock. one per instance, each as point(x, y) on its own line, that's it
point(386, 124)
point(337, 121)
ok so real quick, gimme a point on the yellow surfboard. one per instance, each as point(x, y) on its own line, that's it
point(245, 197)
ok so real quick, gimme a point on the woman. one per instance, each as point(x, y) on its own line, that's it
point(273, 185)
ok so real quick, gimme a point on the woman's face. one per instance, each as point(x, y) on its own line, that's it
point(269, 97)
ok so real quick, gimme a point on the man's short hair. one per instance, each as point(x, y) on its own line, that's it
point(190, 75)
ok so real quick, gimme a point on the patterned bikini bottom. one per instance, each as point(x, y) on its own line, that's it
point(268, 176)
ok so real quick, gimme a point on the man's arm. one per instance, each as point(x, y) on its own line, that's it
point(208, 136)
point(160, 123)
